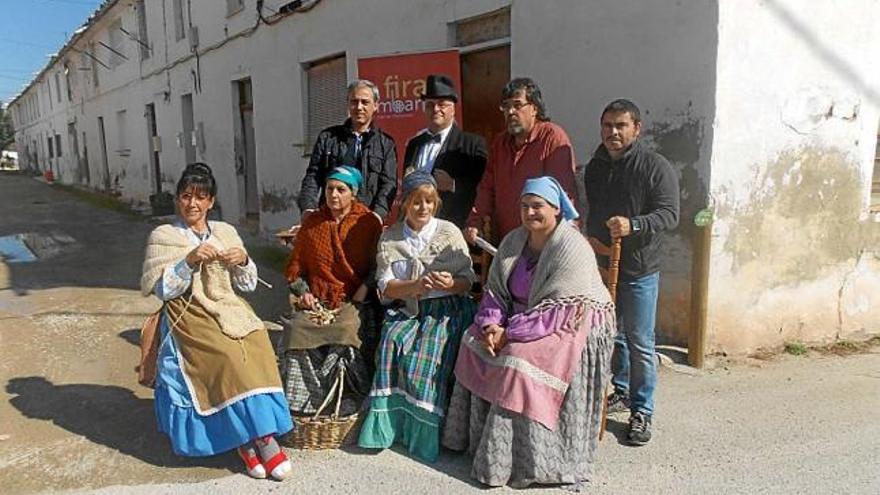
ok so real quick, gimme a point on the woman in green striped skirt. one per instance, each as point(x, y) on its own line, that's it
point(423, 264)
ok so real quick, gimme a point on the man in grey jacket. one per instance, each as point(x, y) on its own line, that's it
point(632, 193)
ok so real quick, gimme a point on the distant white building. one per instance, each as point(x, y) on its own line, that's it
point(768, 109)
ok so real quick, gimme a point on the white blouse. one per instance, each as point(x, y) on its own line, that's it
point(177, 278)
point(402, 270)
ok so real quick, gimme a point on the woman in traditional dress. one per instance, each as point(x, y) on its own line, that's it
point(531, 370)
point(424, 263)
point(334, 318)
point(217, 386)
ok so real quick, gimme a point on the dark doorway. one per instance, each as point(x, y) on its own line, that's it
point(152, 145)
point(105, 164)
point(161, 202)
point(86, 173)
point(74, 151)
point(245, 156)
point(186, 110)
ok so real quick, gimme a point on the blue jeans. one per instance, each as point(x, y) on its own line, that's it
point(633, 364)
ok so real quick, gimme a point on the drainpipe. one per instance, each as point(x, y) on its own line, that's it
point(699, 321)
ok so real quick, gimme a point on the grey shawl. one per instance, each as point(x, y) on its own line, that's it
point(447, 251)
point(566, 269)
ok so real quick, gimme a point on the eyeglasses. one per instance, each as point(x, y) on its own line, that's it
point(516, 105)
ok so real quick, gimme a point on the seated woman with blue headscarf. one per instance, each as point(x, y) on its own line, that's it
point(334, 321)
point(424, 265)
point(531, 369)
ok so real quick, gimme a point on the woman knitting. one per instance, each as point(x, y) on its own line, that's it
point(217, 386)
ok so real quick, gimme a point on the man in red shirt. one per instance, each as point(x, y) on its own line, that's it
point(531, 147)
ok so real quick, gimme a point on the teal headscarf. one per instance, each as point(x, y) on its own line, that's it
point(552, 192)
point(348, 175)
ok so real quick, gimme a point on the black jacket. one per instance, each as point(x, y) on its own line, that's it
point(463, 156)
point(642, 185)
point(378, 164)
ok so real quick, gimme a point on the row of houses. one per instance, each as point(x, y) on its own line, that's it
point(768, 111)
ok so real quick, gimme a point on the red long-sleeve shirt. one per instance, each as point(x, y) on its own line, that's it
point(547, 151)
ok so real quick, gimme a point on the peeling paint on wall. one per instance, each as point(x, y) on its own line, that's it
point(680, 140)
point(803, 215)
point(274, 199)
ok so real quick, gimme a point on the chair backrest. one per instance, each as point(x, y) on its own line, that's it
point(612, 273)
point(482, 259)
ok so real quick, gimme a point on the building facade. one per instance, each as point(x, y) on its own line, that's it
point(768, 113)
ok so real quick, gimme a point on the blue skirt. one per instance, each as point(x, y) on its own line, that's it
point(194, 435)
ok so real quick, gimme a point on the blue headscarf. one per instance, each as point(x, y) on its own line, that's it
point(549, 189)
point(348, 175)
point(416, 178)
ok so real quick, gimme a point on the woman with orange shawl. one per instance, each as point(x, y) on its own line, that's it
point(334, 321)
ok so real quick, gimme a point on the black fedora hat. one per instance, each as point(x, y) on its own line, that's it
point(439, 86)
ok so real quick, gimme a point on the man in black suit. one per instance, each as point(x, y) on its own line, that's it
point(455, 158)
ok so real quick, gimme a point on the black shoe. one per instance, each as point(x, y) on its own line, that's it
point(639, 428)
point(618, 403)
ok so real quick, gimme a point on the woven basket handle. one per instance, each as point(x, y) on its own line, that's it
point(338, 382)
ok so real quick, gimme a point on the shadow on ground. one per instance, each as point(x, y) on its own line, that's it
point(618, 427)
point(451, 463)
point(106, 415)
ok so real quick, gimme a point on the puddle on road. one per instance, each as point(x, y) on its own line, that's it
point(32, 246)
point(14, 250)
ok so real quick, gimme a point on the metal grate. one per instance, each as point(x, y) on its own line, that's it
point(327, 100)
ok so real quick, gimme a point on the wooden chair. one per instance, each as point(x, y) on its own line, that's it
point(609, 276)
point(612, 273)
point(482, 260)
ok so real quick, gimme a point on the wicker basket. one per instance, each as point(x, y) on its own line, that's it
point(323, 432)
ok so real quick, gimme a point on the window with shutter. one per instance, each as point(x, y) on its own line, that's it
point(58, 87)
point(121, 125)
point(233, 6)
point(327, 105)
point(179, 27)
point(95, 79)
point(114, 42)
point(143, 34)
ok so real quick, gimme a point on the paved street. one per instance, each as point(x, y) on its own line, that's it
point(73, 418)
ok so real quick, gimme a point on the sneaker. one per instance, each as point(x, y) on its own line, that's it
point(618, 403)
point(639, 428)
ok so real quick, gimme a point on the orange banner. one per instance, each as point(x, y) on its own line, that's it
point(401, 82)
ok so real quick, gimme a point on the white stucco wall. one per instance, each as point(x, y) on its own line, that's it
point(794, 253)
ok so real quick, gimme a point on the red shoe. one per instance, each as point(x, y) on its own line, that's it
point(255, 468)
point(279, 466)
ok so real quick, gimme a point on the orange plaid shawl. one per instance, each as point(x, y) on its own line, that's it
point(335, 259)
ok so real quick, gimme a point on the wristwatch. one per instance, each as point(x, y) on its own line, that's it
point(635, 224)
